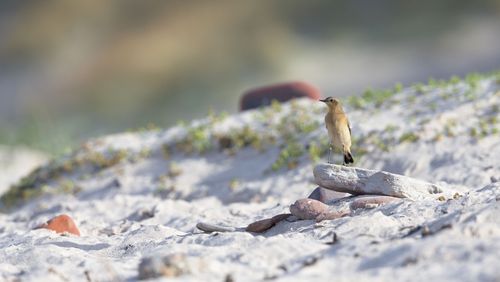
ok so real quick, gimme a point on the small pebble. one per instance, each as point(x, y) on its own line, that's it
point(61, 224)
point(208, 227)
point(308, 208)
point(266, 224)
point(168, 266)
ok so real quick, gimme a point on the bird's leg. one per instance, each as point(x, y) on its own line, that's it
point(330, 154)
point(344, 163)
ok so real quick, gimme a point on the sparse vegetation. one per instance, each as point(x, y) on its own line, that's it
point(449, 128)
point(93, 161)
point(409, 137)
point(233, 184)
point(318, 149)
point(289, 156)
point(398, 87)
point(174, 170)
point(418, 88)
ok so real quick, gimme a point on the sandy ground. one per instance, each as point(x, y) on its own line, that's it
point(149, 206)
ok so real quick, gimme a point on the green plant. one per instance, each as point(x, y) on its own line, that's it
point(314, 152)
point(377, 97)
point(233, 184)
point(289, 156)
point(381, 144)
point(432, 82)
point(419, 88)
point(409, 137)
point(483, 126)
point(433, 106)
point(454, 79)
point(473, 132)
point(398, 87)
point(197, 140)
point(473, 79)
point(67, 186)
point(276, 106)
point(165, 151)
point(412, 99)
point(390, 128)
point(356, 102)
point(174, 170)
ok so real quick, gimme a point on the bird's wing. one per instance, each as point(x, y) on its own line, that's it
point(349, 126)
point(328, 120)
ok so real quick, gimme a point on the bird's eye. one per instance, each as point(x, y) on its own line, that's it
point(331, 100)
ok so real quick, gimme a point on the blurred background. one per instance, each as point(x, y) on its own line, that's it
point(70, 70)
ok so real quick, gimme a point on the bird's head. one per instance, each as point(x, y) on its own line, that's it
point(330, 102)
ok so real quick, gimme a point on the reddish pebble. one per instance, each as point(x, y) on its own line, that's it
point(61, 224)
point(308, 208)
point(265, 224)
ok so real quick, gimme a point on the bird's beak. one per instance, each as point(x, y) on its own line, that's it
point(324, 100)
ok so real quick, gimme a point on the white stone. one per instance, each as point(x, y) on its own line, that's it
point(358, 181)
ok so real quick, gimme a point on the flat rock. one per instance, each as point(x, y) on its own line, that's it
point(61, 224)
point(325, 195)
point(359, 181)
point(266, 224)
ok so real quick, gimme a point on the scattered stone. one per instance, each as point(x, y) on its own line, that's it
point(324, 195)
point(229, 278)
point(335, 239)
point(208, 227)
point(426, 231)
point(266, 224)
point(142, 214)
point(359, 181)
point(62, 224)
point(370, 202)
point(308, 208)
point(168, 266)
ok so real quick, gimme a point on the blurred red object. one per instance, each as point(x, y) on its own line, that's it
point(263, 96)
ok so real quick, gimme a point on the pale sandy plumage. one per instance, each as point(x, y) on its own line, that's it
point(338, 128)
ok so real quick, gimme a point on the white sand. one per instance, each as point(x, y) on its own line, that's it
point(463, 241)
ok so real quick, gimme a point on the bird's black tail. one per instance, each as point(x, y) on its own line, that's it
point(348, 159)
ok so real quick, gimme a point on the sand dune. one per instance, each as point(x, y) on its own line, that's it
point(140, 195)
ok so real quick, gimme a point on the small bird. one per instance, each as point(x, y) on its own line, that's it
point(338, 129)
